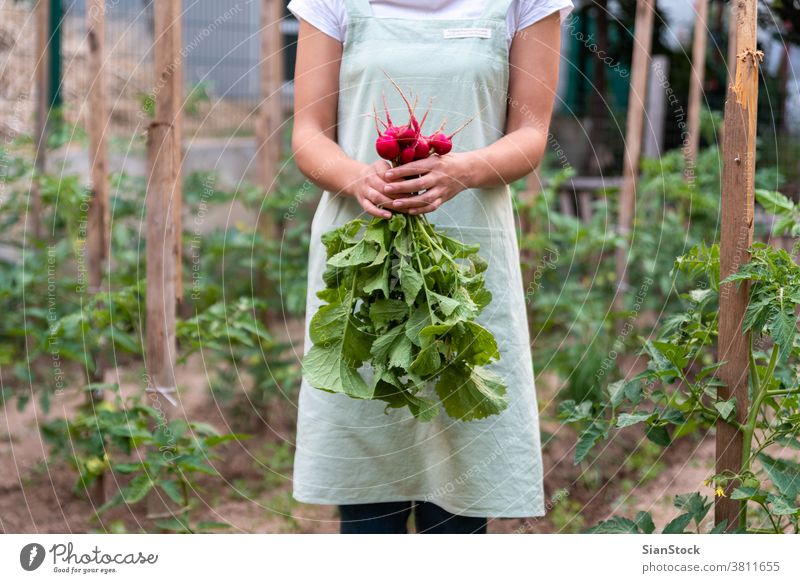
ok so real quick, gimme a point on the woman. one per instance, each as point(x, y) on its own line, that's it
point(496, 60)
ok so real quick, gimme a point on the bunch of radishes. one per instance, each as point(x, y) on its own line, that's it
point(406, 143)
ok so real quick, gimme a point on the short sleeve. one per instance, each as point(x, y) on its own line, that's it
point(529, 11)
point(326, 15)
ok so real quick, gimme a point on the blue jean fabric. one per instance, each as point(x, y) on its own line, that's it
point(392, 518)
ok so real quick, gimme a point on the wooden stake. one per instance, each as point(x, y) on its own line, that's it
point(162, 215)
point(732, 27)
point(730, 62)
point(41, 77)
point(97, 122)
point(98, 236)
point(168, 62)
point(270, 110)
point(699, 43)
point(643, 36)
point(270, 115)
point(736, 236)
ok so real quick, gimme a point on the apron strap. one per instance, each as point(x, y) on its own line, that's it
point(358, 8)
point(494, 9)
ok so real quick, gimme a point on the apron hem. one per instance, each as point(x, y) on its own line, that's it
point(470, 512)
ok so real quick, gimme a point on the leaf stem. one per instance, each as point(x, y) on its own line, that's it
point(752, 418)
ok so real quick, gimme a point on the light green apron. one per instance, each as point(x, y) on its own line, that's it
point(351, 451)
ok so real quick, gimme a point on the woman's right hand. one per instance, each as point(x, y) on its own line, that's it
point(368, 189)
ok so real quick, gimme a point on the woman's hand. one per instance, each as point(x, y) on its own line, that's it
point(441, 177)
point(368, 189)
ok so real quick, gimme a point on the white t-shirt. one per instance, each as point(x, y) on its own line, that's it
point(330, 16)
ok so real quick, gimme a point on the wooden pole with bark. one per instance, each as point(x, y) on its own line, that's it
point(98, 232)
point(699, 43)
point(732, 29)
point(738, 151)
point(41, 83)
point(162, 216)
point(640, 70)
point(270, 117)
point(97, 124)
point(270, 110)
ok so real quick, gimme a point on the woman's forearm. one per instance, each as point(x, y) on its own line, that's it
point(510, 158)
point(323, 161)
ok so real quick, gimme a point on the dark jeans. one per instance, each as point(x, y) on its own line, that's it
point(392, 518)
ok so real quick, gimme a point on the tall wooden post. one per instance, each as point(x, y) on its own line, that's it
point(97, 123)
point(270, 117)
point(98, 235)
point(162, 212)
point(173, 102)
point(270, 110)
point(699, 43)
point(731, 57)
point(732, 28)
point(41, 82)
point(643, 37)
point(738, 152)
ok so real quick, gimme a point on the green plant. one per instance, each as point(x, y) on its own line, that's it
point(134, 439)
point(234, 335)
point(694, 506)
point(677, 393)
point(570, 268)
point(404, 298)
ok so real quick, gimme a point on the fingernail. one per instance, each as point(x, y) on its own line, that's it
point(397, 203)
point(387, 188)
point(389, 174)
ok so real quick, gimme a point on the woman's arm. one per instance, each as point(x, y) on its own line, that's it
point(533, 77)
point(316, 153)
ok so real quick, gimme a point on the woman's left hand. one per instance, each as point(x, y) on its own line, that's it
point(441, 177)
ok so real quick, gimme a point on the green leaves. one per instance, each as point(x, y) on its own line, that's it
point(591, 436)
point(402, 298)
point(774, 293)
point(785, 475)
point(327, 368)
point(694, 506)
point(787, 212)
point(471, 394)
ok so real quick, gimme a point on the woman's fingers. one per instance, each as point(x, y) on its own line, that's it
point(374, 202)
point(379, 199)
point(374, 210)
point(411, 168)
point(426, 208)
point(406, 186)
point(418, 201)
point(380, 168)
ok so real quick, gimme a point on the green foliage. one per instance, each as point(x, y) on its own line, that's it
point(678, 392)
point(56, 330)
point(129, 438)
point(570, 268)
point(694, 509)
point(786, 212)
point(403, 298)
point(233, 333)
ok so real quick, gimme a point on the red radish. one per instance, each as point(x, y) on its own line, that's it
point(406, 136)
point(422, 149)
point(405, 143)
point(387, 147)
point(407, 155)
point(440, 143)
